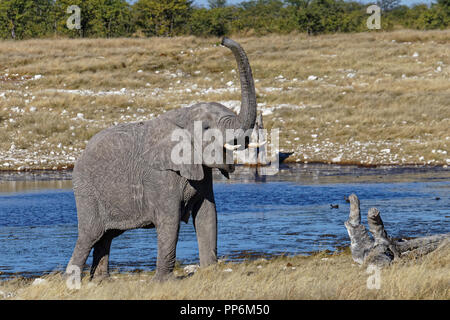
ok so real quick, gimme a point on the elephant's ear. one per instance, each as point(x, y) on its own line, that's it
point(163, 148)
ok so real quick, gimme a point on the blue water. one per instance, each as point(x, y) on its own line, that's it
point(38, 228)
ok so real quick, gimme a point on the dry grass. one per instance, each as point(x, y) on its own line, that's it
point(320, 276)
point(379, 97)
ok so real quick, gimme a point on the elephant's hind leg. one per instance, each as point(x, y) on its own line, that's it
point(99, 268)
point(89, 232)
point(80, 254)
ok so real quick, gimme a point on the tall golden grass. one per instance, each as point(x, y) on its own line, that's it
point(372, 98)
point(321, 276)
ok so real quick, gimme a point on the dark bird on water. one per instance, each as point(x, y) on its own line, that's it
point(334, 206)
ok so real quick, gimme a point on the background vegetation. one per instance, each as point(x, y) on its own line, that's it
point(23, 19)
point(368, 98)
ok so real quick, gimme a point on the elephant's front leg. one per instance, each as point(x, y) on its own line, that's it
point(205, 223)
point(167, 231)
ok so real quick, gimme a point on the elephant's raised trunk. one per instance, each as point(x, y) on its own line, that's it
point(247, 116)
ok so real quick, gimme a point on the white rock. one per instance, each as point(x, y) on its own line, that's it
point(439, 69)
point(37, 77)
point(415, 54)
point(6, 295)
point(386, 150)
point(80, 116)
point(32, 109)
point(191, 268)
point(140, 71)
point(38, 281)
point(229, 83)
point(228, 270)
point(311, 78)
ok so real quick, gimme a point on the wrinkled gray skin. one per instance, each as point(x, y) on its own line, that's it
point(125, 179)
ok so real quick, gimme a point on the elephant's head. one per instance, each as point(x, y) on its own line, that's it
point(204, 122)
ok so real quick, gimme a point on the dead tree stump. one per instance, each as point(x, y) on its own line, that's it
point(380, 249)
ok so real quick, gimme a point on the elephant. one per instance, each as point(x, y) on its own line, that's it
point(126, 179)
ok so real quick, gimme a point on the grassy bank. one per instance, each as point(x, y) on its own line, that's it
point(320, 276)
point(369, 98)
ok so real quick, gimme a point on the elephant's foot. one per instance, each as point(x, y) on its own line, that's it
point(207, 261)
point(100, 276)
point(100, 268)
point(162, 277)
point(72, 275)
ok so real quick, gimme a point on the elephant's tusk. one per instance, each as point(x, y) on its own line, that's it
point(230, 147)
point(256, 144)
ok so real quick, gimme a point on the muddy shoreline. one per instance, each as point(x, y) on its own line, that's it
point(65, 172)
point(289, 162)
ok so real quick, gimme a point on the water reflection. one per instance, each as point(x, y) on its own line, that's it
point(20, 186)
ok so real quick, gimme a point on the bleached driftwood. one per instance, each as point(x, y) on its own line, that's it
point(380, 249)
